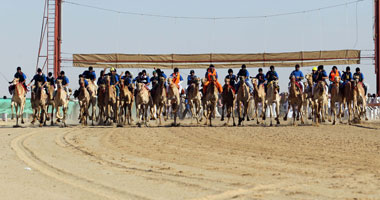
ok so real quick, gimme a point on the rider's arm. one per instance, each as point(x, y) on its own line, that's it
point(276, 75)
point(67, 82)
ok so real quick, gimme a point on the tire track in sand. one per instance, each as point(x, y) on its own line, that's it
point(31, 159)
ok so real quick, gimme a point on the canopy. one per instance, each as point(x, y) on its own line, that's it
point(191, 61)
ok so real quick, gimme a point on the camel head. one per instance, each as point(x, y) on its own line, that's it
point(197, 80)
point(139, 86)
point(39, 84)
point(15, 81)
point(204, 80)
point(337, 79)
point(170, 81)
point(242, 78)
point(292, 79)
point(227, 81)
point(162, 79)
point(81, 82)
point(356, 78)
point(254, 81)
point(59, 83)
point(108, 79)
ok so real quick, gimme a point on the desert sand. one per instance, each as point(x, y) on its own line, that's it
point(189, 162)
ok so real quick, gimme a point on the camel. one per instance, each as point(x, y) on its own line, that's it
point(92, 90)
point(243, 98)
point(142, 103)
point(18, 101)
point(348, 99)
point(272, 97)
point(359, 99)
point(126, 100)
point(210, 99)
point(60, 100)
point(174, 99)
point(110, 102)
point(194, 100)
point(319, 101)
point(228, 102)
point(308, 103)
point(84, 102)
point(159, 100)
point(259, 97)
point(336, 98)
point(40, 102)
point(295, 102)
point(50, 101)
point(101, 103)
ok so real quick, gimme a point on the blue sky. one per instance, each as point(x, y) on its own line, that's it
point(87, 30)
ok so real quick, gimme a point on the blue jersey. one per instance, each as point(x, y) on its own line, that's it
point(318, 76)
point(89, 75)
point(232, 79)
point(101, 81)
point(347, 76)
point(114, 78)
point(127, 79)
point(21, 76)
point(190, 79)
point(244, 72)
point(271, 76)
point(261, 78)
point(39, 78)
point(85, 82)
point(64, 79)
point(50, 80)
point(297, 74)
point(361, 76)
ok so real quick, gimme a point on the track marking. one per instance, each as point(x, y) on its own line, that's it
point(28, 156)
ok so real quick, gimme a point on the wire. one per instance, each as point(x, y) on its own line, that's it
point(210, 18)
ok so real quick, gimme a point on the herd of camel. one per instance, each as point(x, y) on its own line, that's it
point(312, 101)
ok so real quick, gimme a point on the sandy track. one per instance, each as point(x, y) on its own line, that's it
point(326, 162)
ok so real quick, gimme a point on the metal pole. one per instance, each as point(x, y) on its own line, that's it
point(377, 45)
point(57, 38)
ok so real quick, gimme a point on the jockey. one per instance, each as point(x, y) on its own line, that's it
point(22, 79)
point(244, 72)
point(272, 76)
point(154, 79)
point(212, 72)
point(114, 80)
point(320, 75)
point(143, 78)
point(232, 78)
point(191, 78)
point(90, 74)
point(177, 79)
point(260, 77)
point(101, 79)
point(313, 72)
point(297, 73)
point(333, 74)
point(39, 77)
point(161, 74)
point(50, 79)
point(361, 78)
point(347, 76)
point(65, 82)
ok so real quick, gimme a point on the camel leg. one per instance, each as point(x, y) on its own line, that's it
point(287, 112)
point(271, 114)
point(12, 105)
point(233, 113)
point(64, 110)
point(246, 111)
point(223, 106)
point(333, 112)
point(16, 109)
point(240, 114)
point(278, 112)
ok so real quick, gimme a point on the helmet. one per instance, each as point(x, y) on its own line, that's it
point(358, 69)
point(230, 71)
point(176, 70)
point(243, 66)
point(113, 69)
point(192, 71)
point(315, 68)
point(18, 68)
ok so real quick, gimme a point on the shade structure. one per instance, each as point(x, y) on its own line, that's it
point(192, 61)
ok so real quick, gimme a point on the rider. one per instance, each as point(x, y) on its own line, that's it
point(114, 80)
point(65, 82)
point(90, 74)
point(101, 79)
point(177, 79)
point(39, 77)
point(361, 78)
point(22, 79)
point(154, 79)
point(333, 74)
point(347, 76)
point(212, 72)
point(50, 79)
point(244, 72)
point(297, 73)
point(260, 77)
point(191, 78)
point(313, 72)
point(272, 76)
point(143, 78)
point(232, 78)
point(320, 75)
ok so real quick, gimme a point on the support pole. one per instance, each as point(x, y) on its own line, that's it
point(57, 38)
point(377, 45)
